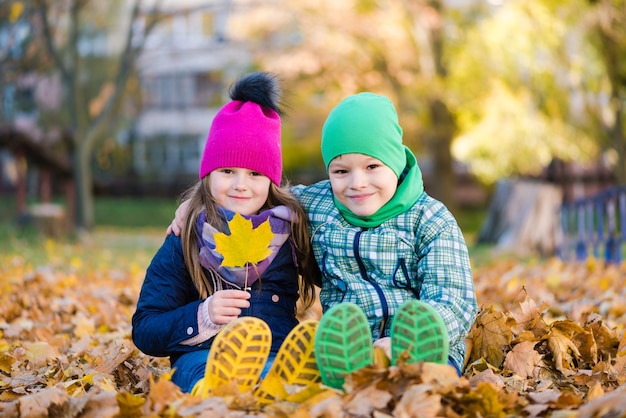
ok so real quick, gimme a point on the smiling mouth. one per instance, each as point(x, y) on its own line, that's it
point(360, 196)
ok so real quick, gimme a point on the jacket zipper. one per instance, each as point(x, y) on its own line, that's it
point(381, 295)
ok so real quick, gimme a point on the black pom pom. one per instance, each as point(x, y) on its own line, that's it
point(260, 87)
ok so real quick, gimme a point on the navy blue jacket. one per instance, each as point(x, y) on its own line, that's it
point(167, 309)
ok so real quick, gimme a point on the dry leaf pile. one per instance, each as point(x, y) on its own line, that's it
point(548, 341)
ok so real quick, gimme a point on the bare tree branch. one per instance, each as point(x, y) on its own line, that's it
point(42, 8)
point(73, 69)
point(126, 64)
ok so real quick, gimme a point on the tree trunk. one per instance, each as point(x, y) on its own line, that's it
point(611, 15)
point(523, 217)
point(619, 142)
point(439, 143)
point(88, 128)
point(84, 195)
point(429, 37)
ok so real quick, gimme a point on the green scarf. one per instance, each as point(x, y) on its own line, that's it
point(410, 188)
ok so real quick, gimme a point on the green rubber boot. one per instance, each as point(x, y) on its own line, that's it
point(417, 328)
point(343, 343)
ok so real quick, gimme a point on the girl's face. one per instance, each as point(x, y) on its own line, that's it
point(239, 189)
point(361, 183)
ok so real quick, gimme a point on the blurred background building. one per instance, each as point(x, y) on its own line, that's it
point(185, 69)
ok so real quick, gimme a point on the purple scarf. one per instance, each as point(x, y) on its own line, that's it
point(280, 222)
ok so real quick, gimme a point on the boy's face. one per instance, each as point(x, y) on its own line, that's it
point(361, 183)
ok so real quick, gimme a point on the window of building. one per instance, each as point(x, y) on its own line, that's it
point(209, 89)
point(174, 91)
point(208, 23)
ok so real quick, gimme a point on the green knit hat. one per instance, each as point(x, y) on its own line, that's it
point(364, 123)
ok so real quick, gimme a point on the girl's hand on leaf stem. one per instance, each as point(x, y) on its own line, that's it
point(225, 306)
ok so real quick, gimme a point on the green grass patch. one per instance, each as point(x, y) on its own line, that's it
point(126, 229)
point(470, 221)
point(134, 212)
point(113, 211)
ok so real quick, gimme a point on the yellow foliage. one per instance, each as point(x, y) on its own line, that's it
point(84, 326)
point(6, 362)
point(65, 341)
point(40, 352)
point(564, 351)
point(490, 334)
point(130, 405)
point(484, 401)
point(16, 11)
point(380, 358)
point(523, 359)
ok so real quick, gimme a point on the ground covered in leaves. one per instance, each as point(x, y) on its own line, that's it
point(548, 341)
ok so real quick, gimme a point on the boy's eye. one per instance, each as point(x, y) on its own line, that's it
point(372, 166)
point(340, 171)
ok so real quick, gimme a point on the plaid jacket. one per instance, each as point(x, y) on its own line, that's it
point(418, 254)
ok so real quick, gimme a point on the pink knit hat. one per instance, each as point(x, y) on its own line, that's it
point(247, 135)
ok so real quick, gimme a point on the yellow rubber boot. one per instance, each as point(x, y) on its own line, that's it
point(294, 364)
point(239, 353)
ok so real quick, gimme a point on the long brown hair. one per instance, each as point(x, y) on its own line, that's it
point(200, 199)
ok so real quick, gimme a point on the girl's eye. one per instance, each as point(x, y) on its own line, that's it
point(255, 173)
point(226, 170)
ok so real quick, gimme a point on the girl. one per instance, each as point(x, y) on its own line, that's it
point(199, 307)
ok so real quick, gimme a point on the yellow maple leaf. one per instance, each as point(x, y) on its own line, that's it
point(563, 350)
point(245, 244)
point(490, 334)
point(523, 359)
point(130, 404)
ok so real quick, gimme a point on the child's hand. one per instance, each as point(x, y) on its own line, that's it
point(177, 223)
point(385, 344)
point(225, 306)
